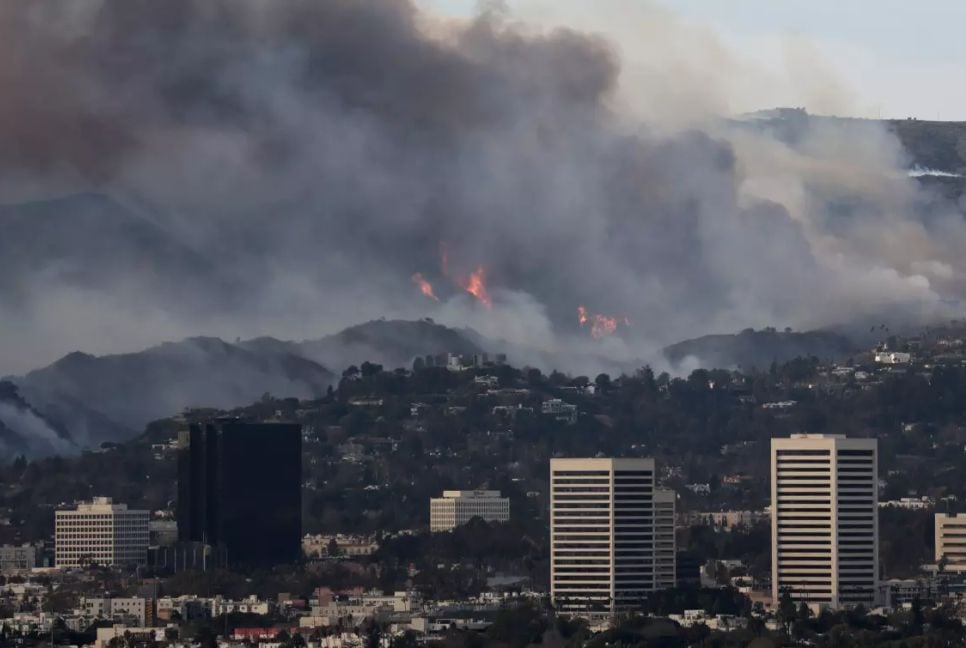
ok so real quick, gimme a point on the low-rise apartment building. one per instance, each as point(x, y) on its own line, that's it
point(101, 532)
point(456, 508)
point(951, 542)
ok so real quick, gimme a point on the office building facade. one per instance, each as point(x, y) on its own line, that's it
point(951, 541)
point(665, 547)
point(19, 559)
point(100, 532)
point(825, 525)
point(602, 534)
point(240, 490)
point(456, 508)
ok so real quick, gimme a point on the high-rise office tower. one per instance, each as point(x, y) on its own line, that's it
point(665, 559)
point(240, 489)
point(825, 525)
point(601, 534)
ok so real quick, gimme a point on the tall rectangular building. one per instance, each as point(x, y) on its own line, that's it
point(100, 532)
point(240, 490)
point(665, 557)
point(825, 525)
point(602, 534)
point(456, 508)
point(951, 541)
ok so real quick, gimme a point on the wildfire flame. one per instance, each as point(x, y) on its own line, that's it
point(424, 286)
point(476, 286)
point(600, 325)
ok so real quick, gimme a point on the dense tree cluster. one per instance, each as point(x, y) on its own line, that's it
point(383, 442)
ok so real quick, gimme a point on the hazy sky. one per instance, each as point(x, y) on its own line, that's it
point(897, 58)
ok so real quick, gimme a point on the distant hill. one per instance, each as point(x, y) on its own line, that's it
point(110, 398)
point(392, 343)
point(936, 149)
point(938, 154)
point(91, 399)
point(934, 145)
point(758, 349)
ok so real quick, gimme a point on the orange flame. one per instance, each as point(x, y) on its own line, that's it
point(600, 325)
point(424, 286)
point(476, 286)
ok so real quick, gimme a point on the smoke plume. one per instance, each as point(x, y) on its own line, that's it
point(288, 167)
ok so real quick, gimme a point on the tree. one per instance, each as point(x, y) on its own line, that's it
point(58, 630)
point(801, 626)
point(373, 635)
point(786, 609)
point(333, 548)
point(370, 369)
point(602, 381)
point(20, 465)
point(804, 612)
point(351, 372)
point(408, 639)
point(518, 626)
point(916, 618)
point(206, 637)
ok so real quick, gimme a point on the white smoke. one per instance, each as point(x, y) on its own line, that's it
point(39, 437)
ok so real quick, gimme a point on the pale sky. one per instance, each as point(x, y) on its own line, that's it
point(897, 57)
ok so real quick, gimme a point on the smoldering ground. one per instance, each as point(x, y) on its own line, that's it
point(285, 167)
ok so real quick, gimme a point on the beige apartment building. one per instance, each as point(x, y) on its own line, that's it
point(19, 559)
point(101, 532)
point(665, 572)
point(825, 525)
point(456, 508)
point(602, 534)
point(951, 541)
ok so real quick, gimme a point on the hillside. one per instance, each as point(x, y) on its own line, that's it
point(392, 343)
point(936, 145)
point(25, 431)
point(757, 349)
point(936, 150)
point(110, 398)
point(93, 399)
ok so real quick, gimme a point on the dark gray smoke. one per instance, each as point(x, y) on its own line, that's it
point(283, 167)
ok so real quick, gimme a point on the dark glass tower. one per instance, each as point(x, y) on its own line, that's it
point(240, 489)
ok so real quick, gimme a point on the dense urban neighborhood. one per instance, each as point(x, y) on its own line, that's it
point(428, 509)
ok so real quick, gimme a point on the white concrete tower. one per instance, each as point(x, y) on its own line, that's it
point(825, 525)
point(602, 534)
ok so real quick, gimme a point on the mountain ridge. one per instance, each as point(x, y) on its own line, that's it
point(112, 397)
